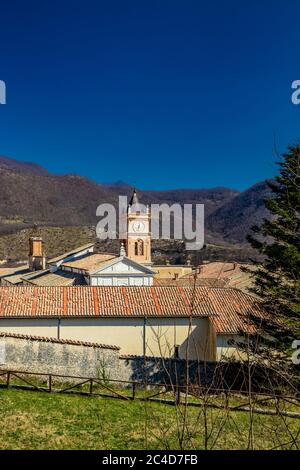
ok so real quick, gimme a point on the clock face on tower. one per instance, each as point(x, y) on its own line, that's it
point(138, 226)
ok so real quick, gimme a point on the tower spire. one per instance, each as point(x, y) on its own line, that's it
point(134, 198)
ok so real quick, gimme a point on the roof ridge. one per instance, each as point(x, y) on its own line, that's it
point(121, 301)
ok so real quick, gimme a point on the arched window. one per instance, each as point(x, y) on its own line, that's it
point(139, 248)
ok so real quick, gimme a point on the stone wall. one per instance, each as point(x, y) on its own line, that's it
point(92, 360)
point(53, 356)
point(76, 358)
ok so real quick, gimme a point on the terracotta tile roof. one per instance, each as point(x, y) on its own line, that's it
point(242, 280)
point(228, 308)
point(11, 270)
point(189, 281)
point(89, 262)
point(223, 274)
point(46, 339)
point(15, 279)
point(234, 309)
point(218, 269)
point(58, 278)
point(32, 274)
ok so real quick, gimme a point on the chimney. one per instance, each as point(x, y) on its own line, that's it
point(97, 246)
point(36, 259)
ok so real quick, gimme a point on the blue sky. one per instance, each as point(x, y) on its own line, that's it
point(165, 93)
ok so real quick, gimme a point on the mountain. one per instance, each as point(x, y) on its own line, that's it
point(212, 198)
point(234, 219)
point(30, 196)
point(22, 167)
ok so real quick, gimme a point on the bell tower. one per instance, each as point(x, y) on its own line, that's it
point(138, 242)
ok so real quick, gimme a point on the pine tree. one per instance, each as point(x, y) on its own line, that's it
point(277, 279)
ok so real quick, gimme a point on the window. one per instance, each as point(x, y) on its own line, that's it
point(139, 248)
point(176, 352)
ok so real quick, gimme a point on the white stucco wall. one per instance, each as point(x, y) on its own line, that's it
point(122, 273)
point(227, 350)
point(120, 280)
point(28, 326)
point(195, 341)
point(162, 334)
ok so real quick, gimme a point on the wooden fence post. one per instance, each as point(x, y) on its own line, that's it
point(277, 404)
point(226, 399)
point(50, 383)
point(91, 386)
point(8, 379)
point(177, 394)
point(133, 390)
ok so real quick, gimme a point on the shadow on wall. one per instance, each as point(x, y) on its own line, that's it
point(169, 371)
point(199, 346)
point(227, 375)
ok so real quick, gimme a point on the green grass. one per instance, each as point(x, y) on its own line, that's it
point(36, 420)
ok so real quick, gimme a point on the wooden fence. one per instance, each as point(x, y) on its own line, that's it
point(166, 393)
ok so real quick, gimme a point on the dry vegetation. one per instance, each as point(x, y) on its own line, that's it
point(58, 240)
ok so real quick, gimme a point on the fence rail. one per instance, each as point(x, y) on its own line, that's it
point(175, 392)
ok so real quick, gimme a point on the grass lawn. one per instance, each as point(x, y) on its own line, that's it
point(36, 420)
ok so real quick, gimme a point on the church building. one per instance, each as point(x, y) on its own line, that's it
point(87, 266)
point(108, 298)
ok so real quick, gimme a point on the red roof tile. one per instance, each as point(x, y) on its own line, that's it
point(235, 309)
point(229, 308)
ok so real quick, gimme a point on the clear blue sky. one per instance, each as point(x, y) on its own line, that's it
point(168, 93)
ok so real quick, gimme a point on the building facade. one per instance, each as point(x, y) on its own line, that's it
point(145, 321)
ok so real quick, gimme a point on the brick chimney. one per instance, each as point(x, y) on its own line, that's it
point(37, 259)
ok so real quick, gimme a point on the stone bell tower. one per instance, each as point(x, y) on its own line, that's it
point(138, 241)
